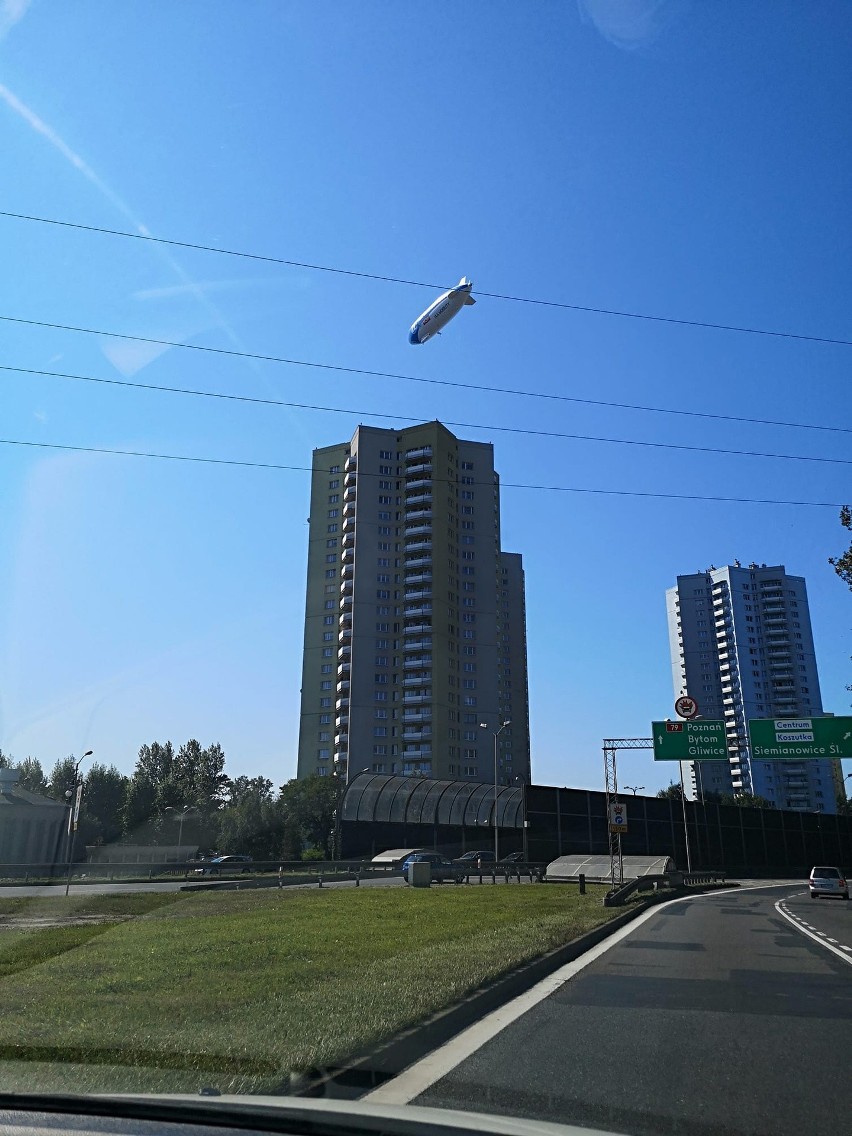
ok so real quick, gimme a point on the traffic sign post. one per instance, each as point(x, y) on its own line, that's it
point(704, 740)
point(800, 739)
point(617, 818)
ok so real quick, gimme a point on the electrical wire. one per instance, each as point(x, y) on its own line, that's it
point(561, 304)
point(407, 378)
point(488, 427)
point(504, 484)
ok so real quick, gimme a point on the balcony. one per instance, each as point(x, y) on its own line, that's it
point(418, 611)
point(341, 739)
point(418, 467)
point(345, 637)
point(418, 560)
point(418, 577)
point(347, 571)
point(417, 661)
point(346, 601)
point(349, 493)
point(349, 510)
point(412, 751)
point(419, 513)
point(347, 556)
point(416, 697)
point(345, 652)
point(415, 485)
point(342, 705)
point(417, 679)
point(418, 502)
point(343, 687)
point(414, 456)
point(415, 526)
point(416, 716)
point(419, 593)
point(422, 544)
point(350, 463)
point(419, 735)
point(417, 644)
point(344, 669)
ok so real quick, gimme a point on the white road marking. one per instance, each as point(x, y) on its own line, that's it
point(816, 938)
point(420, 1076)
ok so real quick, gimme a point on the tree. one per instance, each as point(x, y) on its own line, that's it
point(746, 800)
point(61, 780)
point(253, 821)
point(104, 794)
point(308, 807)
point(843, 564)
point(672, 792)
point(30, 773)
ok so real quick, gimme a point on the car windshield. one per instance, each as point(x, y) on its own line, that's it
point(425, 557)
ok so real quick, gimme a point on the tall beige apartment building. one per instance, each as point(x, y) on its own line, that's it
point(415, 627)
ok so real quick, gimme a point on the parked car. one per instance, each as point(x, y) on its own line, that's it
point(470, 859)
point(513, 858)
point(225, 864)
point(442, 868)
point(828, 881)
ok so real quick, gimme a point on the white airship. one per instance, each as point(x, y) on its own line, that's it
point(439, 314)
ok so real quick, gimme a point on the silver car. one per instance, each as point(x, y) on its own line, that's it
point(828, 881)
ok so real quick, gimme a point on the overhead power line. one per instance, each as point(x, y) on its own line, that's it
point(488, 427)
point(481, 387)
point(504, 484)
point(621, 314)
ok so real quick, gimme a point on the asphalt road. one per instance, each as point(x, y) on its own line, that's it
point(714, 1016)
point(826, 919)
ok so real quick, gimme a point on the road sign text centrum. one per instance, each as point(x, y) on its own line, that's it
point(703, 740)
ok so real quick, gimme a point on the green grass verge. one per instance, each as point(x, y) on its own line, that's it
point(239, 989)
point(112, 905)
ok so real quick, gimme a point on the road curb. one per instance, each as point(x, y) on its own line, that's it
point(367, 1071)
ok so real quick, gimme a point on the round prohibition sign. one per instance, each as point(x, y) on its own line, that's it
point(686, 707)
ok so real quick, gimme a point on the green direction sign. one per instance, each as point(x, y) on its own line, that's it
point(703, 740)
point(794, 739)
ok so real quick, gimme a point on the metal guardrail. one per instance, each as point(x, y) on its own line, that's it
point(107, 871)
point(671, 881)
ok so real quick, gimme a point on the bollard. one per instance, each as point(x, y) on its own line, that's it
point(494, 875)
point(319, 878)
point(280, 875)
point(582, 880)
point(358, 879)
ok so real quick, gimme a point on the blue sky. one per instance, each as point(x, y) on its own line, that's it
point(678, 159)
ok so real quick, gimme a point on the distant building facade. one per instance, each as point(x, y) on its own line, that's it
point(415, 629)
point(741, 644)
point(32, 827)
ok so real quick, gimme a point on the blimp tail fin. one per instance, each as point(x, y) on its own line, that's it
point(464, 283)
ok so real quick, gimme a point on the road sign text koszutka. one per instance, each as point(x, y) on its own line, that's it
point(795, 739)
point(689, 741)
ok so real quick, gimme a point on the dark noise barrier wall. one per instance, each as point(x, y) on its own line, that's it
point(544, 822)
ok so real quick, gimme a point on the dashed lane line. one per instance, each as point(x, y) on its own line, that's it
point(818, 936)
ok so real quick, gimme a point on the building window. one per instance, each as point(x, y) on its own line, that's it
point(380, 731)
point(334, 499)
point(332, 528)
point(325, 703)
point(323, 754)
point(325, 685)
point(328, 620)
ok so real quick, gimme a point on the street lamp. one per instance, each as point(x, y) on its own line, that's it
point(497, 733)
point(635, 788)
point(70, 796)
point(171, 812)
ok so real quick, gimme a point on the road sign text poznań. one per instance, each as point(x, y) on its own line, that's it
point(689, 741)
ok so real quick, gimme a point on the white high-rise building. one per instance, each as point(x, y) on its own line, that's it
point(741, 645)
point(415, 637)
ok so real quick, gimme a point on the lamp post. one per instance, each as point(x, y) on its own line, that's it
point(72, 795)
point(634, 788)
point(497, 733)
point(171, 812)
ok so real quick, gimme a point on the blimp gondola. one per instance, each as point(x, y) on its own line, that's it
point(439, 314)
